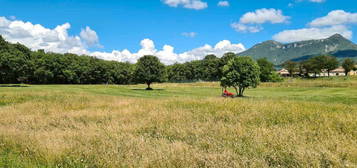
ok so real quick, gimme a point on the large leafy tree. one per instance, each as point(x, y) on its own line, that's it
point(148, 70)
point(241, 73)
point(348, 64)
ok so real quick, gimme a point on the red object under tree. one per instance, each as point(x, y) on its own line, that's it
point(226, 93)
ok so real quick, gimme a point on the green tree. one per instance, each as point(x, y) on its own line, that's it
point(195, 69)
point(291, 67)
point(43, 76)
point(210, 67)
point(349, 65)
point(330, 63)
point(321, 63)
point(307, 67)
point(178, 72)
point(266, 70)
point(224, 61)
point(241, 73)
point(149, 69)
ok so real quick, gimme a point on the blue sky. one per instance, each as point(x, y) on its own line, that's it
point(123, 24)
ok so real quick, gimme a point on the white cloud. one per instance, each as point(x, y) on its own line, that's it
point(261, 16)
point(89, 36)
point(312, 33)
point(335, 17)
point(36, 36)
point(58, 40)
point(189, 4)
point(244, 28)
point(189, 34)
point(335, 22)
point(167, 54)
point(252, 21)
point(223, 3)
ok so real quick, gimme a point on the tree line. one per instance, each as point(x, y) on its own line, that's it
point(18, 64)
point(318, 64)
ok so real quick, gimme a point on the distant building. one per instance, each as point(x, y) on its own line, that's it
point(283, 72)
point(336, 72)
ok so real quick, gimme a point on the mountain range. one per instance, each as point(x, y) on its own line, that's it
point(278, 53)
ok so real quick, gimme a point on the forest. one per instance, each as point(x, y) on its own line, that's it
point(18, 64)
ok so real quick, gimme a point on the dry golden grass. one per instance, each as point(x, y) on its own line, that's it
point(55, 128)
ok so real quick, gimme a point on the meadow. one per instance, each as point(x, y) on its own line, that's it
point(296, 123)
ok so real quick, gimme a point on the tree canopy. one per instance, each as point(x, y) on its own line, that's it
point(291, 66)
point(349, 65)
point(241, 73)
point(148, 70)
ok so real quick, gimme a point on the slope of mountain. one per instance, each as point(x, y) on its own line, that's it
point(278, 53)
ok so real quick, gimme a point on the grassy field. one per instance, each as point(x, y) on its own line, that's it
point(296, 123)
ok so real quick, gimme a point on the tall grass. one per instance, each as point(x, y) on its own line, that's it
point(188, 125)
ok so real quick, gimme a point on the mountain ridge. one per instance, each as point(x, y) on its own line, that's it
point(278, 53)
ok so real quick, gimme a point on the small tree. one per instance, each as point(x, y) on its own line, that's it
point(241, 73)
point(291, 67)
point(348, 64)
point(149, 69)
point(307, 67)
point(266, 69)
point(331, 63)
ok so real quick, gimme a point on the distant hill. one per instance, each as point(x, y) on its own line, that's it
point(278, 53)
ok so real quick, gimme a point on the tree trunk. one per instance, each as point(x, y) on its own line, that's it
point(328, 73)
point(149, 88)
point(241, 92)
point(236, 90)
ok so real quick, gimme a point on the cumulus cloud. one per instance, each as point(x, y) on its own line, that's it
point(58, 40)
point(251, 21)
point(189, 4)
point(168, 55)
point(312, 33)
point(335, 22)
point(89, 36)
point(223, 3)
point(189, 34)
point(336, 17)
point(261, 16)
point(36, 36)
